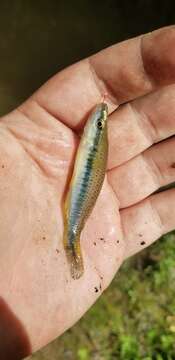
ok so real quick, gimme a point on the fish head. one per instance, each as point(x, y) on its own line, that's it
point(97, 121)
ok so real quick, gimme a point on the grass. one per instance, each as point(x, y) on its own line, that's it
point(134, 319)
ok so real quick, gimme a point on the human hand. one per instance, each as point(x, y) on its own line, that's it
point(37, 149)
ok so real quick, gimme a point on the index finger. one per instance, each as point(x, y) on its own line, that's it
point(123, 72)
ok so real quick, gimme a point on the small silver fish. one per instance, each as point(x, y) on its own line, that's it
point(85, 185)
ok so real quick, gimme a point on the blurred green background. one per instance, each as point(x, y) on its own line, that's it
point(135, 318)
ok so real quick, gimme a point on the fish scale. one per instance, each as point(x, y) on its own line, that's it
point(85, 185)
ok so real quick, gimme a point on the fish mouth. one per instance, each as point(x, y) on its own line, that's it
point(104, 107)
point(102, 110)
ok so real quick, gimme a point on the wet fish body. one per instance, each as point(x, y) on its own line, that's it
point(87, 180)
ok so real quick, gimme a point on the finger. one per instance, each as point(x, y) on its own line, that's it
point(147, 221)
point(123, 72)
point(136, 126)
point(144, 174)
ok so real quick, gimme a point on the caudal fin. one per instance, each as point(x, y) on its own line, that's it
point(75, 260)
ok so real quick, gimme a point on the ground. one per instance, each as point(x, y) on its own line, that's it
point(135, 317)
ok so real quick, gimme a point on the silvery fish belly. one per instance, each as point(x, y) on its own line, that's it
point(85, 185)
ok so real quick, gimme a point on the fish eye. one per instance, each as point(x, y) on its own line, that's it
point(99, 124)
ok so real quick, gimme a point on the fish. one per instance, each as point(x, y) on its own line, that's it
point(85, 185)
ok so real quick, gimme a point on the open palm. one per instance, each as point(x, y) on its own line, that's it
point(38, 142)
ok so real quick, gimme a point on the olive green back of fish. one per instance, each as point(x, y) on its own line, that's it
point(85, 186)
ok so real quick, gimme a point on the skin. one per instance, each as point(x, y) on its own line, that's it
point(37, 148)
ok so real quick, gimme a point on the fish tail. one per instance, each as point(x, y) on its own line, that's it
point(76, 265)
point(74, 256)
